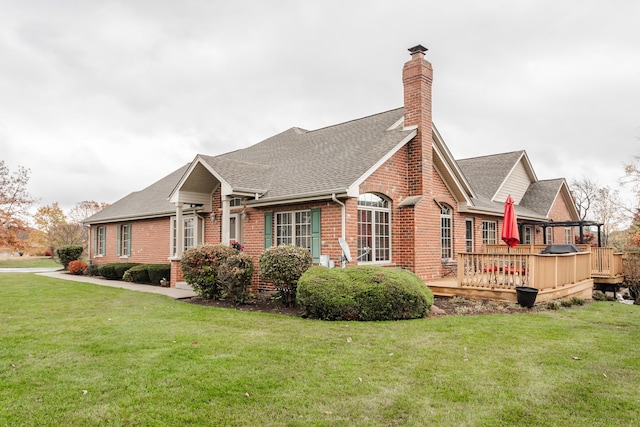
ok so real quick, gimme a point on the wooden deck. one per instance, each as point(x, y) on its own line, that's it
point(496, 272)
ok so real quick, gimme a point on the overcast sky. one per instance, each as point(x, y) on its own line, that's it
point(102, 98)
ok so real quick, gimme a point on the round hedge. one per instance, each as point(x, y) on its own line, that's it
point(363, 293)
point(200, 266)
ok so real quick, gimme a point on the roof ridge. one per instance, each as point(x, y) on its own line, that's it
point(493, 155)
point(354, 120)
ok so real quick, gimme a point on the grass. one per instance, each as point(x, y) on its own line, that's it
point(28, 262)
point(77, 354)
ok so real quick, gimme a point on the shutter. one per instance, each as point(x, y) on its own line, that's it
point(315, 235)
point(268, 229)
point(118, 235)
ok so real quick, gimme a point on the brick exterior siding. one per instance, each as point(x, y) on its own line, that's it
point(415, 229)
point(149, 242)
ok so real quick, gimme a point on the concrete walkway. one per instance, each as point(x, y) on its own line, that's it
point(29, 270)
point(170, 292)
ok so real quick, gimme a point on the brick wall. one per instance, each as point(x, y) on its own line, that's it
point(149, 242)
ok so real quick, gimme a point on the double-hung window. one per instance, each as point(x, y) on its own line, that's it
point(189, 232)
point(192, 233)
point(374, 228)
point(446, 235)
point(100, 241)
point(489, 232)
point(294, 228)
point(124, 240)
point(568, 235)
point(468, 235)
point(300, 228)
point(527, 235)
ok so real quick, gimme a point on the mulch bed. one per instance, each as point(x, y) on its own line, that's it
point(443, 306)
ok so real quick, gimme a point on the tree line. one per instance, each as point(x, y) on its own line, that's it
point(46, 230)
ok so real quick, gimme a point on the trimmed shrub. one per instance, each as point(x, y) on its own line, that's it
point(234, 275)
point(363, 293)
point(200, 266)
point(77, 267)
point(69, 253)
point(148, 273)
point(116, 270)
point(92, 270)
point(283, 265)
point(157, 272)
point(136, 274)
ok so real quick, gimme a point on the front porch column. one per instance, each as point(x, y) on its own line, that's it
point(179, 231)
point(226, 214)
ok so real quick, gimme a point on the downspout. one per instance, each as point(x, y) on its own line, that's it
point(89, 243)
point(343, 216)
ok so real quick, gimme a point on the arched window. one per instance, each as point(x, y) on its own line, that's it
point(446, 232)
point(374, 228)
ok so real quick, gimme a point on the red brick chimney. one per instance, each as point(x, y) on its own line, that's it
point(417, 78)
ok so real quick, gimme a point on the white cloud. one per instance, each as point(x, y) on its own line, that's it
point(102, 98)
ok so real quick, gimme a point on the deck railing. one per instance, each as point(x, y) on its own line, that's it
point(525, 249)
point(605, 263)
point(508, 270)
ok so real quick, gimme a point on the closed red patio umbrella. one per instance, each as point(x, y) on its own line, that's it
point(510, 234)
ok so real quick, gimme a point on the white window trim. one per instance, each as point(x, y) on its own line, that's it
point(101, 251)
point(468, 241)
point(568, 235)
point(390, 225)
point(549, 232)
point(527, 229)
point(495, 232)
point(293, 225)
point(448, 216)
point(199, 237)
point(123, 246)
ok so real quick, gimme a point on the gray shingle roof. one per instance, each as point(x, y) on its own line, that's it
point(487, 173)
point(150, 202)
point(541, 195)
point(298, 162)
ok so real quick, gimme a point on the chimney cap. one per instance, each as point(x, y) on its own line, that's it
point(417, 49)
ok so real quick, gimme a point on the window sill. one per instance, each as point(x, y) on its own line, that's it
point(381, 263)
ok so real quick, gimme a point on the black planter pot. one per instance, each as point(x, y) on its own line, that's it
point(526, 296)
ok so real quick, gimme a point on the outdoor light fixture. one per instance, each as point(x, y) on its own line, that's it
point(212, 216)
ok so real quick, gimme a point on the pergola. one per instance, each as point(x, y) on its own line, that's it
point(579, 224)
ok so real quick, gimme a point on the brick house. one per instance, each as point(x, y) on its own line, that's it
point(386, 182)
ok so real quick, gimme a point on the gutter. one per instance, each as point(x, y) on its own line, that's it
point(300, 198)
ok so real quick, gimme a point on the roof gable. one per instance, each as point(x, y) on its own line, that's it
point(541, 196)
point(298, 163)
point(498, 175)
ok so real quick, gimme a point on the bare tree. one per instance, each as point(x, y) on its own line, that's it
point(14, 202)
point(632, 176)
point(606, 210)
point(584, 192)
point(83, 210)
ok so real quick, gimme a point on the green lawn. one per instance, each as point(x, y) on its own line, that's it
point(77, 354)
point(28, 262)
